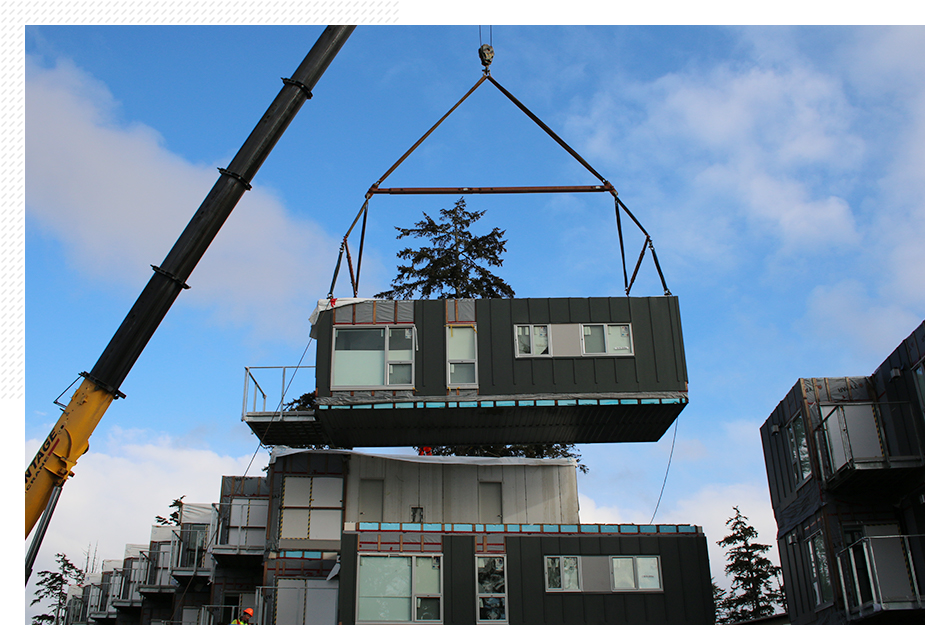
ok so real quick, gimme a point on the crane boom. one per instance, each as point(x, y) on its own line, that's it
point(69, 438)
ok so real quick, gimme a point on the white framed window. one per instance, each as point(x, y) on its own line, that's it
point(491, 589)
point(799, 449)
point(606, 339)
point(635, 573)
point(399, 588)
point(371, 357)
point(819, 565)
point(461, 356)
point(562, 574)
point(532, 340)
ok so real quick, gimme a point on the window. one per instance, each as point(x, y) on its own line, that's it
point(822, 580)
point(614, 339)
point(373, 357)
point(399, 588)
point(799, 451)
point(461, 358)
point(491, 589)
point(636, 573)
point(918, 374)
point(531, 340)
point(562, 573)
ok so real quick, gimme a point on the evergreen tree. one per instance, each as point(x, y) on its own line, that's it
point(174, 518)
point(755, 588)
point(52, 587)
point(452, 267)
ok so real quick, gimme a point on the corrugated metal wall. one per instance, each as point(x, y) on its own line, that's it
point(449, 493)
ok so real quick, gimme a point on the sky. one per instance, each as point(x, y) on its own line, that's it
point(777, 169)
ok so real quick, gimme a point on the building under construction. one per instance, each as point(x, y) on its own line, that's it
point(334, 537)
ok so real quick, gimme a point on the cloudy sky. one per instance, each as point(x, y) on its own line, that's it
point(778, 170)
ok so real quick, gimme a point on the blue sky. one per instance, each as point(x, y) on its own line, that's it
point(778, 170)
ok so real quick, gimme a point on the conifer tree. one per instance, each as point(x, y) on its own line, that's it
point(174, 519)
point(453, 266)
point(755, 588)
point(52, 587)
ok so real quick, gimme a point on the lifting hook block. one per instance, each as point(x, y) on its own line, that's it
point(486, 54)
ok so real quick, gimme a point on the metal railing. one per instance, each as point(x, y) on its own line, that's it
point(257, 400)
point(880, 573)
point(852, 435)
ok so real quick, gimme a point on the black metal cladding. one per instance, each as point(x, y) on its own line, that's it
point(625, 397)
point(685, 598)
point(657, 364)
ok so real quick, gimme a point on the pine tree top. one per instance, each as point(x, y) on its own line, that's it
point(455, 265)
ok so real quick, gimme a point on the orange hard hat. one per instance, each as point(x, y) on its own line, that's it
point(248, 612)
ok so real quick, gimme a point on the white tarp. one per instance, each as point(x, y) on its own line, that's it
point(281, 450)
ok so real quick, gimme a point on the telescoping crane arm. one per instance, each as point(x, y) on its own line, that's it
point(69, 438)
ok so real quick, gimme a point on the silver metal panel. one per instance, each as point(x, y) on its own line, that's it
point(370, 500)
point(343, 314)
point(364, 312)
point(327, 492)
point(565, 339)
point(404, 312)
point(461, 503)
point(595, 573)
point(321, 602)
point(294, 523)
point(465, 310)
point(490, 508)
point(385, 311)
point(290, 601)
point(431, 492)
point(297, 491)
point(325, 524)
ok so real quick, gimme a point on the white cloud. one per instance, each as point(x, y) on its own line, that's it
point(864, 325)
point(118, 490)
point(711, 506)
point(117, 199)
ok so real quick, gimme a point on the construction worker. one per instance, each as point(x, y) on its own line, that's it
point(246, 615)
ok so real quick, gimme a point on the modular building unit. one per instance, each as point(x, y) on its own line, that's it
point(845, 459)
point(450, 372)
point(522, 573)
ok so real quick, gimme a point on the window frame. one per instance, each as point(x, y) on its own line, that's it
point(484, 595)
point(450, 327)
point(386, 362)
point(813, 549)
point(560, 557)
point(531, 329)
point(793, 452)
point(607, 344)
point(414, 595)
point(635, 559)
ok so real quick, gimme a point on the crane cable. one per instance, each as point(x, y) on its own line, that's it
point(667, 468)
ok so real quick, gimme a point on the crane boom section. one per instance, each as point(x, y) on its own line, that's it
point(70, 437)
point(67, 442)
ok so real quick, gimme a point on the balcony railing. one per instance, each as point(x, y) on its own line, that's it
point(262, 396)
point(880, 573)
point(858, 436)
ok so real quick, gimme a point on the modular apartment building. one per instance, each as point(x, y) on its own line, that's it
point(337, 537)
point(845, 459)
point(334, 537)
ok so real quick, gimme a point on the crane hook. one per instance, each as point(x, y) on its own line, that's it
point(486, 54)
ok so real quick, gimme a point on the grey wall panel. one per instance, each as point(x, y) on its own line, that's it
point(460, 503)
point(431, 357)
